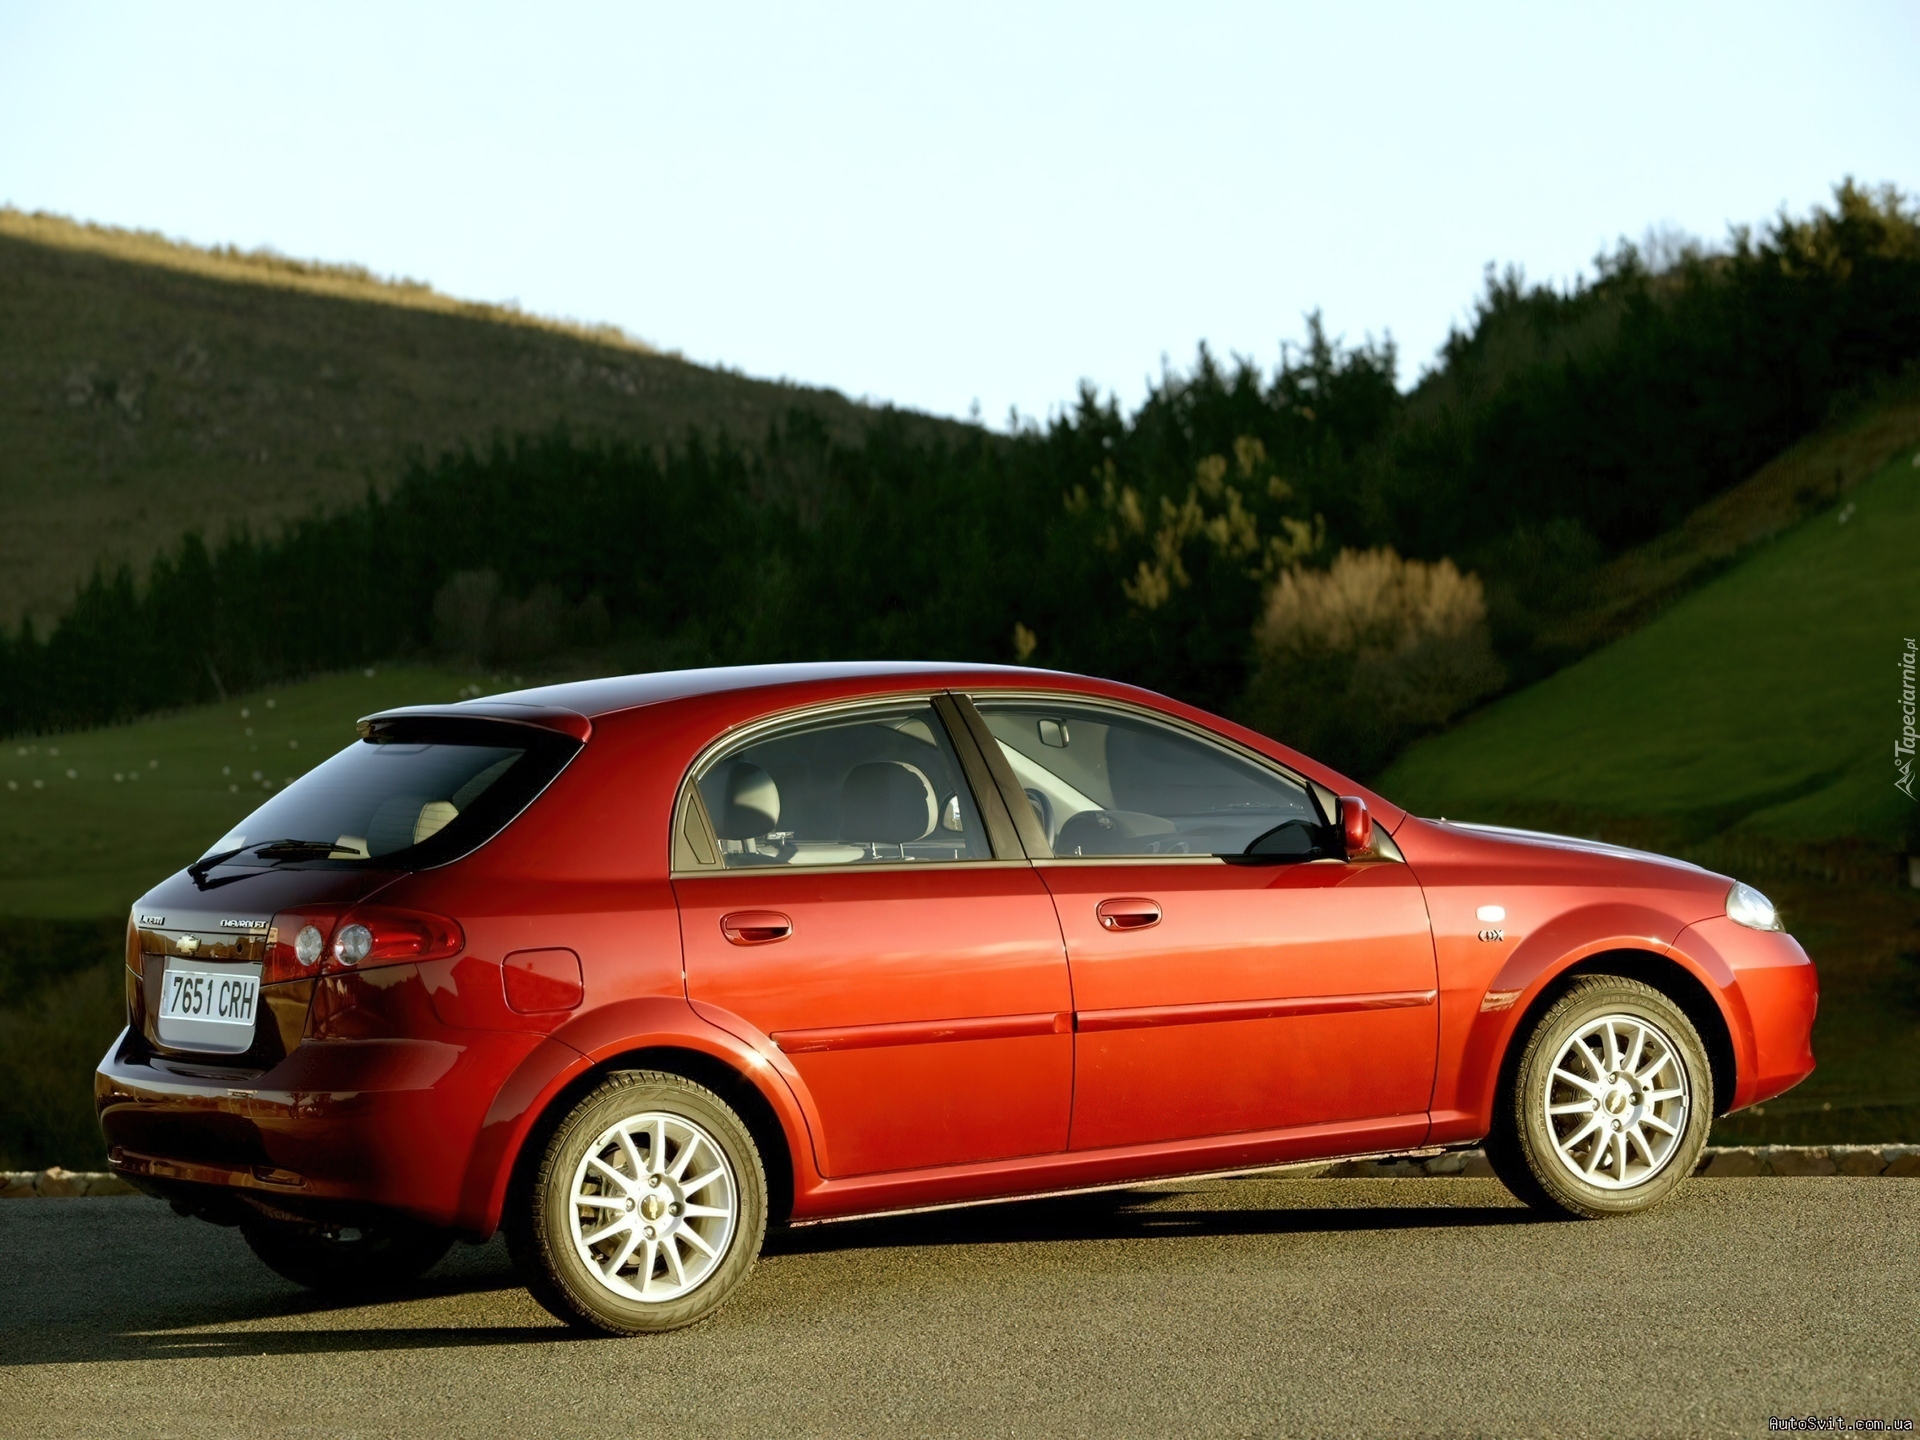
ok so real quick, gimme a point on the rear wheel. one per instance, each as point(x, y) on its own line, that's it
point(1609, 1105)
point(648, 1208)
point(346, 1258)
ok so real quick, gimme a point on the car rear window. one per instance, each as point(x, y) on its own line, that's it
point(411, 795)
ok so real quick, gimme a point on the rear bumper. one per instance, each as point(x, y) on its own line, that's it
point(339, 1128)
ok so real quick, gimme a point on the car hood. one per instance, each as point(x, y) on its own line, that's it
point(1571, 842)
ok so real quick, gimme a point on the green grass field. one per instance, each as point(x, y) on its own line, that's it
point(90, 820)
point(1764, 702)
point(1750, 727)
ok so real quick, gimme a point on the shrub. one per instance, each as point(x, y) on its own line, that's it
point(1355, 660)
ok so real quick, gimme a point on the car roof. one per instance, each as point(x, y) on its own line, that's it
point(594, 698)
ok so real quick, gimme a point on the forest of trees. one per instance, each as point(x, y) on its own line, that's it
point(1194, 544)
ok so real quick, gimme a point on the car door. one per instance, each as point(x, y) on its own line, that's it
point(851, 905)
point(1216, 992)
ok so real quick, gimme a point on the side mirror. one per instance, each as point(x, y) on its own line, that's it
point(1356, 825)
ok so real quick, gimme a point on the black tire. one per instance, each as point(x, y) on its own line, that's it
point(604, 1295)
point(347, 1259)
point(1524, 1147)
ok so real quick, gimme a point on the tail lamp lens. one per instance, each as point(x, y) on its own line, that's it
point(380, 935)
point(296, 942)
point(353, 944)
point(324, 941)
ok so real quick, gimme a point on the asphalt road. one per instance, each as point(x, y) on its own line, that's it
point(1248, 1307)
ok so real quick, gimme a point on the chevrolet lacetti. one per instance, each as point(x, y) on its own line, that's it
point(633, 968)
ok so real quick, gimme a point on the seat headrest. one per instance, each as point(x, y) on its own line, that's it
point(751, 803)
point(887, 801)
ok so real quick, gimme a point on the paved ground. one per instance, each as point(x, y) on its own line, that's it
point(1248, 1307)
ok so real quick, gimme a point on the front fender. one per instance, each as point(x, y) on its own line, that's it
point(576, 1048)
point(1481, 1018)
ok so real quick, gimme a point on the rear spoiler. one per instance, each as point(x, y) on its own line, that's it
point(506, 712)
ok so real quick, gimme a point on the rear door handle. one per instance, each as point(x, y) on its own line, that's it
point(755, 927)
point(1128, 914)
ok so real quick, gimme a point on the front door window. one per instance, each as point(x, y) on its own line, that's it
point(1107, 783)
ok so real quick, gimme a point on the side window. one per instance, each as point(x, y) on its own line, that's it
point(1106, 782)
point(878, 785)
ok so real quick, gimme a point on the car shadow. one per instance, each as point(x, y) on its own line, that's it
point(179, 1331)
point(1128, 1215)
point(186, 1331)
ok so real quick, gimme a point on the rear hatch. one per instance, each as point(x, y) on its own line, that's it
point(199, 986)
point(211, 980)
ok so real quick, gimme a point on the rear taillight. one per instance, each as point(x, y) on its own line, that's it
point(330, 940)
point(297, 942)
point(380, 935)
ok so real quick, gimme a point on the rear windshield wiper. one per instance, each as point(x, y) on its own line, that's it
point(272, 849)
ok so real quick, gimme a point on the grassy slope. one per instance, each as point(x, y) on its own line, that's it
point(89, 820)
point(1806, 480)
point(148, 388)
point(1764, 700)
point(1750, 727)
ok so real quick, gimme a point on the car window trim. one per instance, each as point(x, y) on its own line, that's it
point(1013, 799)
point(990, 806)
point(1003, 834)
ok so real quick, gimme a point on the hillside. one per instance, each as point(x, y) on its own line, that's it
point(148, 388)
point(1764, 703)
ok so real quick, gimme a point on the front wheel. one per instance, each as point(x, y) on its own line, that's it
point(648, 1208)
point(1610, 1102)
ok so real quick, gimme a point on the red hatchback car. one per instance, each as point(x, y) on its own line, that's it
point(635, 967)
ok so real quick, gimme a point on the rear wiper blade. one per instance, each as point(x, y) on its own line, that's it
point(278, 849)
point(296, 849)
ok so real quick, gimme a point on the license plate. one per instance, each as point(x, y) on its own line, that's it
point(209, 1007)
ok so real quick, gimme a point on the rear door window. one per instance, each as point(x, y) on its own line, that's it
point(874, 786)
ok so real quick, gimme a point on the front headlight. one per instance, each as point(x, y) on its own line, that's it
point(1747, 906)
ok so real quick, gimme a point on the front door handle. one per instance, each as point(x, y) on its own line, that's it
point(1128, 914)
point(755, 927)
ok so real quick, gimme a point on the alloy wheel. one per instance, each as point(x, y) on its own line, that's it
point(1616, 1102)
point(654, 1206)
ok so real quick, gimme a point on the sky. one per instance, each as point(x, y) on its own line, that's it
point(946, 208)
